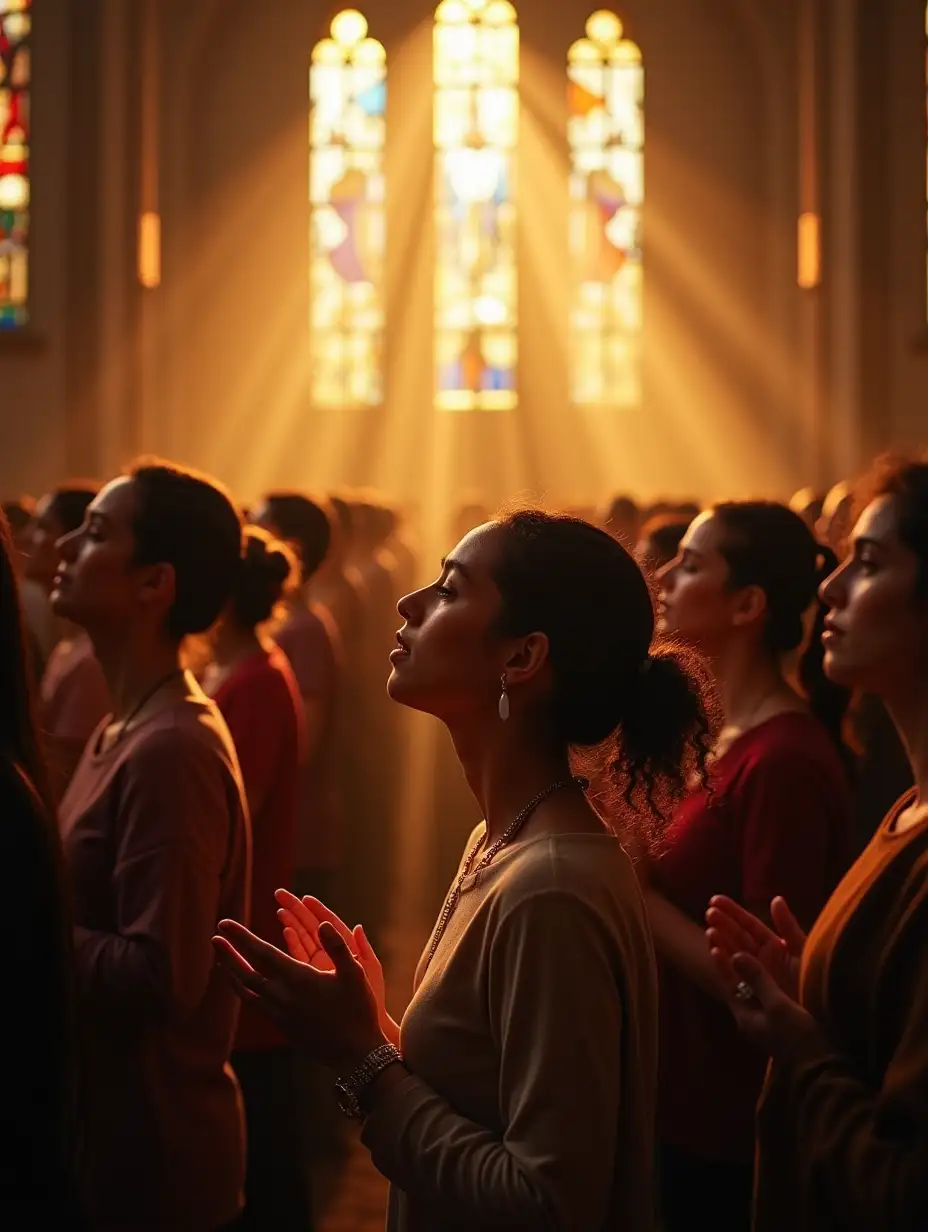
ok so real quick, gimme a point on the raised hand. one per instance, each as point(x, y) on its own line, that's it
point(731, 930)
point(332, 1015)
point(771, 1018)
point(302, 919)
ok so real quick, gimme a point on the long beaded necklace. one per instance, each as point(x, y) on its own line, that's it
point(506, 837)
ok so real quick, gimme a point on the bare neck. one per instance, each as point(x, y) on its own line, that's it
point(751, 685)
point(232, 644)
point(506, 766)
point(909, 712)
point(132, 663)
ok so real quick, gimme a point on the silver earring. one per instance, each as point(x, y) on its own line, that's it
point(503, 699)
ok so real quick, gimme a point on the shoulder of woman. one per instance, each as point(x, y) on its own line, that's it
point(580, 867)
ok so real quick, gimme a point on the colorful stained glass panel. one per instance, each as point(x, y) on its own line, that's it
point(15, 185)
point(605, 131)
point(347, 129)
point(475, 121)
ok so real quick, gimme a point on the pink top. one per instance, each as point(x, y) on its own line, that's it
point(310, 640)
point(157, 850)
point(73, 695)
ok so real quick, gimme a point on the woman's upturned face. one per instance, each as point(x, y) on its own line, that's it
point(42, 553)
point(695, 601)
point(98, 582)
point(450, 657)
point(876, 632)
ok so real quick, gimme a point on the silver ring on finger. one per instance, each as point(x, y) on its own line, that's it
point(744, 991)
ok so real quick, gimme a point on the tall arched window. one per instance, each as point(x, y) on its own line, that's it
point(605, 131)
point(348, 94)
point(476, 125)
point(15, 26)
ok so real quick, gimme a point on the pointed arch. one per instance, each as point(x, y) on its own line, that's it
point(605, 134)
point(347, 133)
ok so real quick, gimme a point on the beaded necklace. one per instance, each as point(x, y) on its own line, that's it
point(508, 835)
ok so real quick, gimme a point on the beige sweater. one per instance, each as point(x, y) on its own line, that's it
point(531, 1041)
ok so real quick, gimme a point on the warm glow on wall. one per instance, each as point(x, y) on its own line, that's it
point(348, 96)
point(809, 252)
point(476, 126)
point(149, 250)
point(605, 133)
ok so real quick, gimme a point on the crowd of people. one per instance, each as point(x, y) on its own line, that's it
point(677, 975)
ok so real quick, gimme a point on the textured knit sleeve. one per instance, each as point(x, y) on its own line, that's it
point(555, 1010)
point(861, 1150)
point(173, 833)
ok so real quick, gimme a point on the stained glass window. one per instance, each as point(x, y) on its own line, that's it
point(348, 95)
point(15, 25)
point(605, 131)
point(476, 122)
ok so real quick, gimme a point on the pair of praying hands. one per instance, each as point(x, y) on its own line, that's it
point(759, 967)
point(327, 994)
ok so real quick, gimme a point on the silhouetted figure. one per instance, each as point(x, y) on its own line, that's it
point(38, 1130)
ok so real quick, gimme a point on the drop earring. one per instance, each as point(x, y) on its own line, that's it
point(503, 699)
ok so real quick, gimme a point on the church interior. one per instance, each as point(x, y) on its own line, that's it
point(449, 258)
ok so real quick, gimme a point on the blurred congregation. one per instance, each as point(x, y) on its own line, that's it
point(463, 616)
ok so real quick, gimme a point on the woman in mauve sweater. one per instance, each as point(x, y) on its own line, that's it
point(843, 1013)
point(156, 845)
point(518, 1092)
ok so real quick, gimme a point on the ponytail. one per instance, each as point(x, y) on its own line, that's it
point(665, 737)
point(827, 701)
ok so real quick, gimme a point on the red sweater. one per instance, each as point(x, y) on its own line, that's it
point(261, 705)
point(776, 822)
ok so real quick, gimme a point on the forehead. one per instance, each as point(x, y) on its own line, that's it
point(478, 549)
point(701, 534)
point(878, 521)
point(116, 500)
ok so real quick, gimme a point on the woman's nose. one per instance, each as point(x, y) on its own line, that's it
point(410, 606)
point(66, 544)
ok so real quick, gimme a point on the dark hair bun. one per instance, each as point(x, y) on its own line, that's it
point(576, 584)
point(267, 569)
point(185, 519)
point(666, 733)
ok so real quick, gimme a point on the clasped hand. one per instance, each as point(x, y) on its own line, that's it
point(321, 997)
point(746, 951)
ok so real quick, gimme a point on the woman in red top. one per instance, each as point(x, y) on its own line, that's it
point(252, 684)
point(775, 815)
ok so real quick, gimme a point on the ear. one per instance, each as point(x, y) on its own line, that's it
point(528, 659)
point(159, 586)
point(750, 606)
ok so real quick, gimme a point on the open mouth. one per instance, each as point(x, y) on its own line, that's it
point(402, 650)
